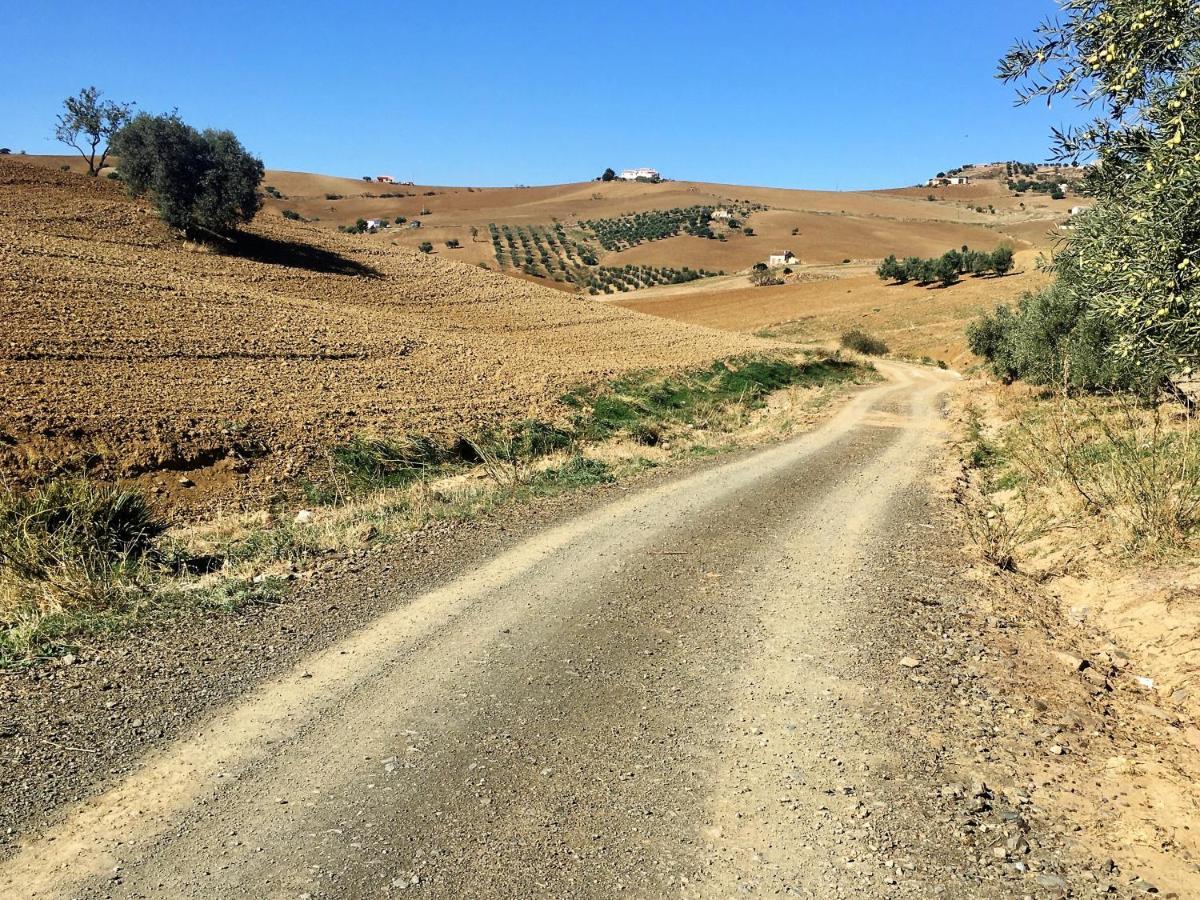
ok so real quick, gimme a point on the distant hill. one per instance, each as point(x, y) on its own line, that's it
point(820, 227)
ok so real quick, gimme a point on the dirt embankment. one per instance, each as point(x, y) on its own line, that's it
point(129, 352)
point(1096, 623)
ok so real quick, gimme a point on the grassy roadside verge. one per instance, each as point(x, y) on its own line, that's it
point(79, 561)
point(1054, 475)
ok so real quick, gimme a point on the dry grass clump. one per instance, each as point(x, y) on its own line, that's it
point(1124, 473)
point(1137, 467)
point(69, 546)
point(1000, 530)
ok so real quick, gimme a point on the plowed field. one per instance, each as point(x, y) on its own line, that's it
point(128, 351)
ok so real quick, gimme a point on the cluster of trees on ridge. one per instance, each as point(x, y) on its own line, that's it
point(1020, 186)
point(948, 268)
point(1123, 312)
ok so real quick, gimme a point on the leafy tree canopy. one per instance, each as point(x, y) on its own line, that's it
point(89, 124)
point(198, 181)
point(1133, 261)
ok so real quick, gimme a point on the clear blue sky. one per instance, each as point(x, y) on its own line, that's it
point(790, 94)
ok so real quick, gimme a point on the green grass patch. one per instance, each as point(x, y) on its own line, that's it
point(578, 472)
point(641, 405)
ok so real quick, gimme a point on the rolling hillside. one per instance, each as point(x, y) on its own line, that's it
point(821, 227)
point(136, 354)
point(133, 353)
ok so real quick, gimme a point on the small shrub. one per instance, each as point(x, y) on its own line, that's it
point(334, 197)
point(453, 244)
point(764, 278)
point(292, 215)
point(425, 247)
point(858, 340)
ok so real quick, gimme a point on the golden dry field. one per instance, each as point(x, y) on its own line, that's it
point(133, 353)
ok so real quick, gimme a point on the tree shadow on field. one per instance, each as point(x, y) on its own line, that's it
point(294, 255)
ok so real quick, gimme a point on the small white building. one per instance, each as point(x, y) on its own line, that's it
point(786, 258)
point(374, 224)
point(722, 214)
point(959, 179)
point(385, 179)
point(635, 174)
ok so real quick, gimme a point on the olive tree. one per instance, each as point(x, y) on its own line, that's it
point(1133, 260)
point(199, 181)
point(89, 124)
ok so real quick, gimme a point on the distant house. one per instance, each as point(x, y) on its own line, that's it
point(374, 224)
point(722, 214)
point(640, 174)
point(786, 258)
point(385, 179)
point(959, 179)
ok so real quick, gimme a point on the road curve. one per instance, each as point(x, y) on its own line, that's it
point(675, 694)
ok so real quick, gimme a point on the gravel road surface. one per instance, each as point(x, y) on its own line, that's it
point(707, 688)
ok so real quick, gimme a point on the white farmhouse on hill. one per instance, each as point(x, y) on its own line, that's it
point(635, 174)
point(385, 179)
point(786, 258)
point(945, 180)
point(722, 214)
point(374, 224)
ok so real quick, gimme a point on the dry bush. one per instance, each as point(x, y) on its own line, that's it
point(1000, 533)
point(1138, 467)
point(858, 340)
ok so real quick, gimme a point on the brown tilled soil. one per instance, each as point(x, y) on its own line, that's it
point(135, 353)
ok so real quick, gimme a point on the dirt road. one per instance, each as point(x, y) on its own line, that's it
point(697, 690)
